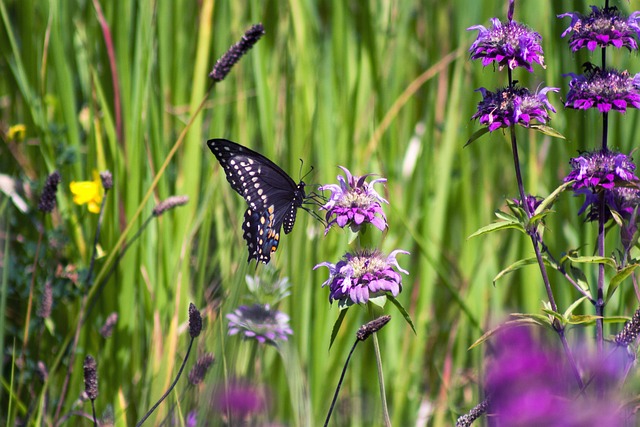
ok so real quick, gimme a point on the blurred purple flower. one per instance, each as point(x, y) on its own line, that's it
point(261, 323)
point(239, 401)
point(603, 89)
point(513, 105)
point(363, 275)
point(192, 419)
point(354, 202)
point(507, 43)
point(606, 175)
point(603, 27)
point(531, 386)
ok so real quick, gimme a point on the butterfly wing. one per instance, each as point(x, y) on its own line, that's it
point(271, 195)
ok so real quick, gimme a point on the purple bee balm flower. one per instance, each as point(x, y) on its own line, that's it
point(532, 202)
point(608, 176)
point(354, 202)
point(601, 169)
point(603, 27)
point(604, 89)
point(239, 401)
point(513, 105)
point(507, 43)
point(530, 385)
point(261, 323)
point(363, 275)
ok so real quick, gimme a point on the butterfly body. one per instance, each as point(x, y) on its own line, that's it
point(273, 198)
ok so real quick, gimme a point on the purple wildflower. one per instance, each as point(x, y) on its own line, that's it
point(363, 275)
point(532, 202)
point(608, 176)
point(192, 419)
point(529, 385)
point(261, 323)
point(603, 169)
point(239, 401)
point(508, 43)
point(354, 202)
point(603, 27)
point(513, 105)
point(605, 89)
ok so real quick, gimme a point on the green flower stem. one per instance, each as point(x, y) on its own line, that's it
point(383, 394)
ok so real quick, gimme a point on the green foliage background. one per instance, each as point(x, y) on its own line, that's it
point(377, 86)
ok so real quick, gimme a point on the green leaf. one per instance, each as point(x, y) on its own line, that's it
point(547, 130)
point(582, 319)
point(538, 319)
point(620, 276)
point(555, 314)
point(514, 267)
point(593, 260)
point(379, 301)
point(569, 311)
point(336, 327)
point(403, 312)
point(499, 328)
point(580, 278)
point(616, 319)
point(506, 217)
point(502, 225)
point(551, 198)
point(477, 134)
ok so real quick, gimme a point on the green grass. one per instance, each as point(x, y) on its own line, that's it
point(377, 86)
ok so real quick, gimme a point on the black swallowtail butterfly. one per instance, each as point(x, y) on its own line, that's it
point(273, 197)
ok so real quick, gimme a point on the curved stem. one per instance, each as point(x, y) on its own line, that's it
point(335, 395)
point(173, 384)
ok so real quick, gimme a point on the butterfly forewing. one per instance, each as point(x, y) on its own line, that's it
point(271, 195)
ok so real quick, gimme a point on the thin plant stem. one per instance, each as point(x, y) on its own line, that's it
point(173, 384)
point(93, 412)
point(600, 294)
point(543, 270)
point(383, 395)
point(335, 395)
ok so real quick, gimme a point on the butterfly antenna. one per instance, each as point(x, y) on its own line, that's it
point(300, 172)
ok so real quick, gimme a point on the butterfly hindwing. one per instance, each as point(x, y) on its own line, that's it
point(262, 239)
point(271, 195)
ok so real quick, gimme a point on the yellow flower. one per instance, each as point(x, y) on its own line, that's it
point(17, 132)
point(90, 192)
